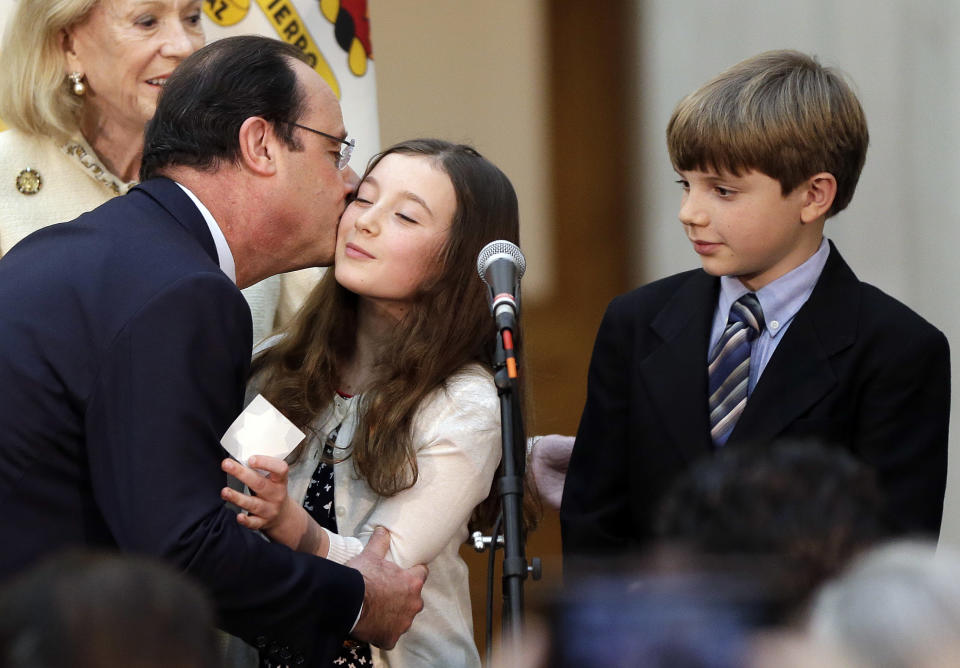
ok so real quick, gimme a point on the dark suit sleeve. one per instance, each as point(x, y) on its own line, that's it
point(594, 515)
point(168, 387)
point(903, 424)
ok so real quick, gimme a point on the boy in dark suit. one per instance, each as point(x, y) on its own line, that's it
point(775, 337)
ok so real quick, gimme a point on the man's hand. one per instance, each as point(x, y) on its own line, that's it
point(392, 596)
point(548, 463)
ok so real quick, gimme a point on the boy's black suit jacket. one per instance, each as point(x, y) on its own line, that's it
point(856, 369)
point(124, 350)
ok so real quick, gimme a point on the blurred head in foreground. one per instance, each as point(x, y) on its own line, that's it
point(898, 606)
point(87, 610)
point(801, 505)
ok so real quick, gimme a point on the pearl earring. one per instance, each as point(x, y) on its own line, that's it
point(79, 88)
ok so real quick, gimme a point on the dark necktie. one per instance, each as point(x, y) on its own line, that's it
point(729, 366)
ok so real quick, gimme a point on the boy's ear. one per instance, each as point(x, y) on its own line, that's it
point(818, 197)
point(258, 146)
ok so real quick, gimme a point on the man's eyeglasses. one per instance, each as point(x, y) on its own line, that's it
point(345, 151)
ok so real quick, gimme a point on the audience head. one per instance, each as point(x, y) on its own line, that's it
point(656, 620)
point(87, 610)
point(897, 606)
point(747, 534)
point(780, 113)
point(810, 507)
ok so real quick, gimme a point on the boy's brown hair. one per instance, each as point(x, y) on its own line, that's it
point(780, 113)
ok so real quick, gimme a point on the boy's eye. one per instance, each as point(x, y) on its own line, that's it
point(683, 184)
point(723, 192)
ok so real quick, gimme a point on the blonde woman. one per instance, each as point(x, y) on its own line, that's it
point(79, 79)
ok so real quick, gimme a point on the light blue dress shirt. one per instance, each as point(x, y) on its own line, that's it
point(780, 301)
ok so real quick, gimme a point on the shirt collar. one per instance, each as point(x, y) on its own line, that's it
point(782, 298)
point(224, 256)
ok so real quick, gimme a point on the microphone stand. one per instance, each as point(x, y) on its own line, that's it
point(500, 265)
point(510, 488)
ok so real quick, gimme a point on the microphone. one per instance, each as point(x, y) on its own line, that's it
point(501, 266)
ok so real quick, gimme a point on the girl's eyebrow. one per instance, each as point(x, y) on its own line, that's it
point(416, 198)
point(406, 194)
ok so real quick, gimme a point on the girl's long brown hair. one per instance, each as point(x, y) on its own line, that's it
point(448, 326)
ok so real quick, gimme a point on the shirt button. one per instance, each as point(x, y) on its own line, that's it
point(774, 324)
point(340, 511)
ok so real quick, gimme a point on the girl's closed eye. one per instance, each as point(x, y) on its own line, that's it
point(364, 194)
point(360, 197)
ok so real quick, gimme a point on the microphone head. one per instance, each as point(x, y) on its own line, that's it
point(500, 250)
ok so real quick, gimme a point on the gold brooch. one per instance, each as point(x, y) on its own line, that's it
point(29, 181)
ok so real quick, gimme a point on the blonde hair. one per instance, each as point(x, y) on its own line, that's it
point(35, 95)
point(780, 113)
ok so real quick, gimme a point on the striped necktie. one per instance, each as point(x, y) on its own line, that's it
point(729, 366)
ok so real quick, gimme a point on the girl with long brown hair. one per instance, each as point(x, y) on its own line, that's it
point(387, 367)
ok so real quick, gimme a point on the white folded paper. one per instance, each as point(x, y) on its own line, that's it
point(261, 430)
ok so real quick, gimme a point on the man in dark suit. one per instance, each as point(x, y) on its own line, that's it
point(775, 337)
point(125, 345)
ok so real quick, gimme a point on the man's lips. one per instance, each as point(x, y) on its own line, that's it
point(355, 251)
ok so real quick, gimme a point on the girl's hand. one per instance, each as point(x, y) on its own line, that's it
point(267, 504)
point(270, 509)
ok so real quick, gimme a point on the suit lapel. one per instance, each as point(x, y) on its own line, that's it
point(800, 372)
point(171, 198)
point(675, 373)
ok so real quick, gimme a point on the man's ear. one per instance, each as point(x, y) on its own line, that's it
point(820, 189)
point(258, 146)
